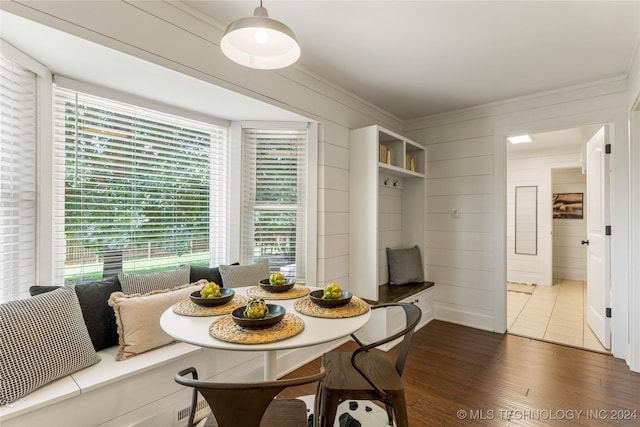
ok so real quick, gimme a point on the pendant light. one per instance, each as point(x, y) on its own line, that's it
point(260, 42)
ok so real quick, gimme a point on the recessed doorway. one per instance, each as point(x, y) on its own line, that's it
point(546, 289)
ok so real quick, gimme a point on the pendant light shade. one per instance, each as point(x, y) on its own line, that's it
point(260, 42)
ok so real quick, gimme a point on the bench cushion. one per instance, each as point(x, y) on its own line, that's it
point(42, 338)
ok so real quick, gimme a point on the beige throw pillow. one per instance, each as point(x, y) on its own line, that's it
point(138, 318)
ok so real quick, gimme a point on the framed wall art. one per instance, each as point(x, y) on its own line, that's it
point(568, 205)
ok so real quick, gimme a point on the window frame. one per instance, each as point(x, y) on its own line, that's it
point(49, 263)
point(44, 263)
point(311, 191)
point(119, 97)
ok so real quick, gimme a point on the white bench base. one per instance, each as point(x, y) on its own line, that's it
point(140, 391)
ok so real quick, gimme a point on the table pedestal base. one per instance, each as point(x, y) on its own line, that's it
point(270, 365)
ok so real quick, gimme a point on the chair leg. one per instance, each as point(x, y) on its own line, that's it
point(389, 413)
point(328, 409)
point(400, 410)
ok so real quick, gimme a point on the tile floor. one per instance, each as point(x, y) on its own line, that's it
point(553, 313)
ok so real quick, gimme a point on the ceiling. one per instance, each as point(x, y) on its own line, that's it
point(83, 61)
point(410, 58)
point(419, 58)
point(545, 143)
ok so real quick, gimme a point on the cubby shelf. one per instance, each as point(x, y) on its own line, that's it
point(384, 213)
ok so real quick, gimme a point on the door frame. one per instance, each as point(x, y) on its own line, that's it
point(617, 119)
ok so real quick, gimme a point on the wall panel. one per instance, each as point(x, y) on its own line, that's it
point(569, 255)
point(481, 131)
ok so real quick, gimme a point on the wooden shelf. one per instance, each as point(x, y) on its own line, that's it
point(398, 171)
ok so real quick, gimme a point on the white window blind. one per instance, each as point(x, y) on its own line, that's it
point(18, 180)
point(273, 198)
point(143, 190)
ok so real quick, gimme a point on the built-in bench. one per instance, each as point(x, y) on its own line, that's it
point(140, 391)
point(388, 322)
point(392, 293)
point(71, 398)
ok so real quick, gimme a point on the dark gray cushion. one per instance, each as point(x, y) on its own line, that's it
point(40, 289)
point(41, 339)
point(211, 274)
point(98, 315)
point(405, 266)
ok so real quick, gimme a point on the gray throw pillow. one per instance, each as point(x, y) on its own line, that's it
point(149, 282)
point(405, 266)
point(42, 338)
point(235, 276)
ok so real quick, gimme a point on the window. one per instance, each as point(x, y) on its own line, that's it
point(18, 179)
point(143, 190)
point(273, 198)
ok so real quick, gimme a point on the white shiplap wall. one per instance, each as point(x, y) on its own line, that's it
point(533, 167)
point(466, 257)
point(333, 206)
point(569, 256)
point(389, 224)
point(523, 170)
point(172, 35)
point(458, 250)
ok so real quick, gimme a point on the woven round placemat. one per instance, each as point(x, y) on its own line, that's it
point(297, 291)
point(187, 308)
point(355, 307)
point(225, 329)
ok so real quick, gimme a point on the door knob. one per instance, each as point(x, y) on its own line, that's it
point(584, 242)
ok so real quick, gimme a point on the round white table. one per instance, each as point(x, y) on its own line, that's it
point(317, 330)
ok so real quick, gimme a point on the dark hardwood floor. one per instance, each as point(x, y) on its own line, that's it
point(459, 376)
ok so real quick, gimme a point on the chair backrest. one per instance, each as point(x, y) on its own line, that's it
point(241, 404)
point(413, 314)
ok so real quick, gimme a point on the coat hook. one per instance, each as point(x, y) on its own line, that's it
point(386, 181)
point(395, 182)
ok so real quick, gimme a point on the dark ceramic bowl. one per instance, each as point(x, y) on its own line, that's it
point(288, 284)
point(275, 315)
point(316, 297)
point(225, 297)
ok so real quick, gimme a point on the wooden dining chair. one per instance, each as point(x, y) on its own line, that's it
point(369, 373)
point(250, 404)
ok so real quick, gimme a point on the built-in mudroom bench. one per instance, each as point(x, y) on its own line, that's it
point(387, 205)
point(387, 322)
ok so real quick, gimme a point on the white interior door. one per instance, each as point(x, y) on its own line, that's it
point(597, 209)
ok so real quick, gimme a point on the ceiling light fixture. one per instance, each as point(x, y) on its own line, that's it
point(520, 139)
point(260, 42)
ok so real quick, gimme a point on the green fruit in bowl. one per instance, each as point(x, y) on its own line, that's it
point(256, 309)
point(277, 279)
point(332, 291)
point(212, 290)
